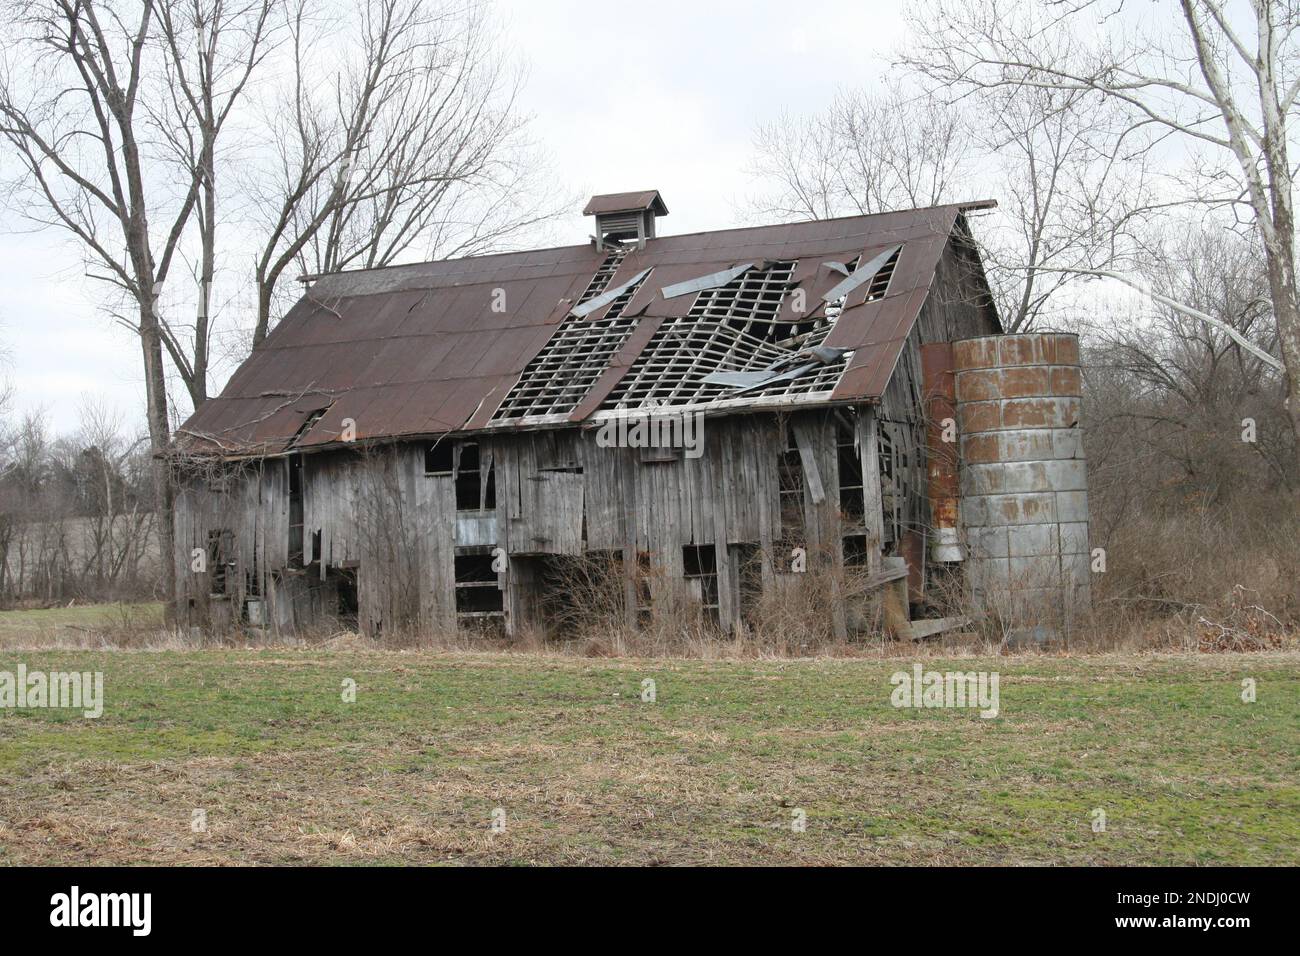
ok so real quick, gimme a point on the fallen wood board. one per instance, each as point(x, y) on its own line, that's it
point(884, 577)
point(928, 627)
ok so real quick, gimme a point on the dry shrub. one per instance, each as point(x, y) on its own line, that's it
point(1247, 627)
point(1190, 504)
point(1202, 577)
point(586, 613)
point(797, 617)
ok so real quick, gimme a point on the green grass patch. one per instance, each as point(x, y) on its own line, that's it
point(714, 770)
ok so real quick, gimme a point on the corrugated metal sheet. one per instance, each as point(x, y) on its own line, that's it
point(434, 347)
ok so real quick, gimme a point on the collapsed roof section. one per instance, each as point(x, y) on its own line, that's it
point(769, 316)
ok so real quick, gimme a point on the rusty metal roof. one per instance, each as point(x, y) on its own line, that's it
point(626, 202)
point(435, 347)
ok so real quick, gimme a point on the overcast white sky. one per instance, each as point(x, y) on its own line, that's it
point(662, 95)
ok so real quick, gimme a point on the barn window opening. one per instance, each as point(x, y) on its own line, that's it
point(747, 559)
point(439, 458)
point(221, 560)
point(890, 493)
point(296, 513)
point(253, 579)
point(855, 551)
point(475, 485)
point(700, 563)
point(852, 495)
point(562, 468)
point(348, 605)
point(641, 581)
point(478, 593)
point(790, 489)
point(900, 478)
point(578, 591)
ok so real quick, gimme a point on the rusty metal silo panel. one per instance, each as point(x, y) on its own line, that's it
point(940, 393)
point(1024, 486)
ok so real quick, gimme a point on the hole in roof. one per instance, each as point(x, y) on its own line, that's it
point(312, 418)
point(880, 282)
point(600, 281)
point(734, 328)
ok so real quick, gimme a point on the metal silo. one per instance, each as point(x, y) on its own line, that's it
point(1024, 486)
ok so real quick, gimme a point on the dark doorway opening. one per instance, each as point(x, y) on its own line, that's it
point(349, 608)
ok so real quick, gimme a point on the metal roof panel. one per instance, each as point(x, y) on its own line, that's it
point(419, 349)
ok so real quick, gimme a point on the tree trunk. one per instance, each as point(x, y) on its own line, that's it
point(155, 387)
point(263, 311)
point(1288, 327)
point(1280, 257)
point(207, 271)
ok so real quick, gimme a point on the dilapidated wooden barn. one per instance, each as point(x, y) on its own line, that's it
point(428, 445)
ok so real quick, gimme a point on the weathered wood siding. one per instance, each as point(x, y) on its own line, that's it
point(379, 517)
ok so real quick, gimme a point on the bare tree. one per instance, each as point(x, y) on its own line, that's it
point(1066, 180)
point(82, 141)
point(212, 48)
point(415, 141)
point(864, 154)
point(114, 112)
point(1196, 382)
point(114, 524)
point(1071, 184)
point(1221, 81)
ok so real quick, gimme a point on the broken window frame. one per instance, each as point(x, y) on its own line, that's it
point(900, 478)
point(704, 559)
point(472, 583)
point(474, 483)
point(850, 477)
point(791, 487)
point(856, 550)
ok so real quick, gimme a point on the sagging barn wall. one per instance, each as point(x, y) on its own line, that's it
point(390, 537)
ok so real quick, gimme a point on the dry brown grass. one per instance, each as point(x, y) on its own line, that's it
point(1191, 576)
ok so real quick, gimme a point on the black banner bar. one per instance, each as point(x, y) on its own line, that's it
point(229, 905)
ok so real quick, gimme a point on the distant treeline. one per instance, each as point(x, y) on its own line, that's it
point(76, 514)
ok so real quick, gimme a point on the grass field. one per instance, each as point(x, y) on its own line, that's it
point(713, 771)
point(48, 622)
